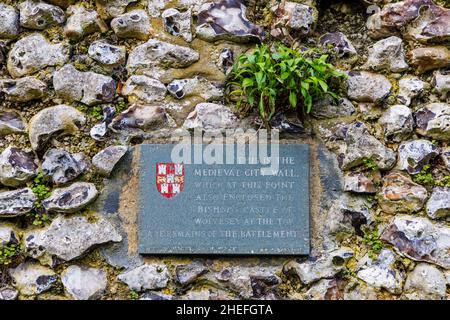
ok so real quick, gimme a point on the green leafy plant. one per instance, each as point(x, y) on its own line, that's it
point(8, 252)
point(372, 240)
point(277, 79)
point(424, 177)
point(369, 164)
point(133, 295)
point(42, 191)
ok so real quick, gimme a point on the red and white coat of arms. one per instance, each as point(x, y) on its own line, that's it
point(169, 179)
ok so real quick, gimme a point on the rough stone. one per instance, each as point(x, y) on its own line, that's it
point(433, 121)
point(187, 274)
point(340, 43)
point(17, 202)
point(358, 290)
point(100, 131)
point(429, 58)
point(8, 293)
point(107, 159)
point(62, 167)
point(144, 89)
point(365, 86)
point(33, 53)
point(425, 282)
point(438, 206)
point(361, 146)
point(387, 54)
point(358, 182)
point(32, 278)
point(445, 156)
point(226, 60)
point(149, 57)
point(419, 239)
point(138, 119)
point(62, 3)
point(84, 283)
point(197, 86)
point(87, 87)
point(71, 199)
point(9, 22)
point(17, 166)
point(423, 20)
point(324, 290)
point(409, 88)
point(107, 54)
point(400, 194)
point(397, 123)
point(40, 15)
point(82, 22)
point(7, 235)
point(146, 277)
point(68, 238)
point(296, 18)
point(413, 155)
point(155, 6)
point(133, 24)
point(210, 116)
point(23, 89)
point(112, 8)
point(329, 108)
point(325, 266)
point(178, 23)
point(11, 122)
point(381, 273)
point(441, 83)
point(52, 122)
point(226, 20)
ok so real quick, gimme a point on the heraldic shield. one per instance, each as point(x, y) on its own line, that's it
point(169, 179)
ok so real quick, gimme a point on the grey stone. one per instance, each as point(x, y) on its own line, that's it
point(84, 283)
point(197, 86)
point(17, 166)
point(112, 8)
point(31, 278)
point(107, 159)
point(433, 121)
point(397, 123)
point(107, 54)
point(11, 122)
point(419, 239)
point(324, 266)
point(9, 22)
point(445, 156)
point(23, 89)
point(7, 235)
point(413, 155)
point(33, 53)
point(442, 84)
point(365, 86)
point(87, 87)
point(210, 116)
point(358, 290)
point(52, 122)
point(82, 22)
point(100, 131)
point(146, 277)
point(138, 119)
point(226, 60)
point(187, 274)
point(178, 23)
point(144, 89)
point(17, 202)
point(409, 88)
point(381, 273)
point(358, 182)
point(387, 54)
point(71, 199)
point(68, 238)
point(295, 19)
point(425, 282)
point(226, 19)
point(8, 293)
point(62, 3)
point(133, 24)
point(324, 289)
point(62, 167)
point(340, 43)
point(360, 146)
point(40, 15)
point(155, 6)
point(438, 206)
point(155, 296)
point(328, 108)
point(429, 58)
point(400, 194)
point(149, 57)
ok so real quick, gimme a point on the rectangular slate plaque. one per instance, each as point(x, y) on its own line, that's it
point(223, 209)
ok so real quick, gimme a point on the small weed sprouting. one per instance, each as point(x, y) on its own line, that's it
point(273, 80)
point(42, 191)
point(369, 164)
point(133, 295)
point(372, 240)
point(8, 252)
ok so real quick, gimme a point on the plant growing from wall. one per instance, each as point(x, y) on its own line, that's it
point(274, 80)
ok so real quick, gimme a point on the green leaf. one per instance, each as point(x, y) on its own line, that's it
point(247, 82)
point(293, 99)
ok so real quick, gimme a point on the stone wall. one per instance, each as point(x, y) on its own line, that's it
point(83, 82)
